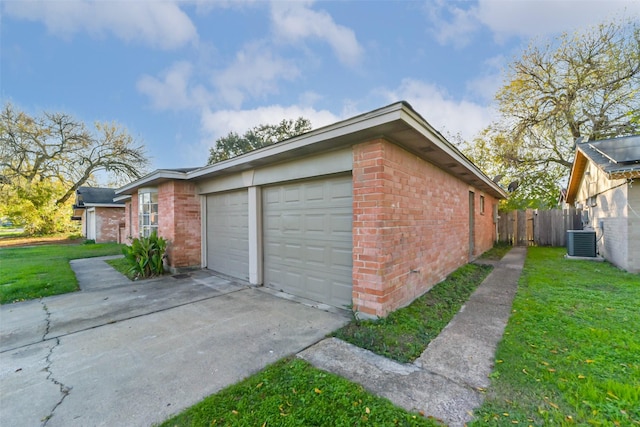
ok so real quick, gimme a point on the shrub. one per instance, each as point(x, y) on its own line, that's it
point(146, 255)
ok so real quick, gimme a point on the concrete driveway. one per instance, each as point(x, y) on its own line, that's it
point(121, 353)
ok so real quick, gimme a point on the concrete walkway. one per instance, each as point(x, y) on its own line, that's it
point(448, 379)
point(121, 353)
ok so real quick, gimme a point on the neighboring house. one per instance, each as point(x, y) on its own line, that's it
point(100, 216)
point(368, 213)
point(602, 184)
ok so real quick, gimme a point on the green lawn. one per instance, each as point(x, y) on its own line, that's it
point(496, 253)
point(122, 265)
point(40, 271)
point(571, 350)
point(404, 334)
point(293, 393)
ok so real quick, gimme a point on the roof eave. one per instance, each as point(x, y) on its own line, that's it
point(154, 178)
point(577, 170)
point(397, 122)
point(352, 131)
point(319, 137)
point(104, 205)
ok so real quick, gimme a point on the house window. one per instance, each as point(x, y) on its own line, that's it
point(482, 205)
point(147, 212)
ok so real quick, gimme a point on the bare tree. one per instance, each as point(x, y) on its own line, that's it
point(55, 150)
point(584, 85)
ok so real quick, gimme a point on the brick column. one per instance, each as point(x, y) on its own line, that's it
point(179, 222)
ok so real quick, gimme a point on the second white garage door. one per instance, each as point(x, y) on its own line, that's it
point(307, 239)
point(228, 233)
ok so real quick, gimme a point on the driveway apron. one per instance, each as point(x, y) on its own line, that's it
point(121, 353)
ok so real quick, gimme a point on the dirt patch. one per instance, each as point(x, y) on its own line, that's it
point(6, 242)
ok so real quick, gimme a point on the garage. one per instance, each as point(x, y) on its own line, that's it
point(308, 238)
point(227, 233)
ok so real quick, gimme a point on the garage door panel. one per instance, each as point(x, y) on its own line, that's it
point(342, 223)
point(341, 191)
point(228, 233)
point(342, 258)
point(307, 239)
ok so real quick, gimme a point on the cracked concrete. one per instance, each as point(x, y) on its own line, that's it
point(64, 390)
point(134, 353)
point(447, 381)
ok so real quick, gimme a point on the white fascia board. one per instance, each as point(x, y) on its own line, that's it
point(122, 198)
point(346, 127)
point(104, 205)
point(421, 125)
point(148, 180)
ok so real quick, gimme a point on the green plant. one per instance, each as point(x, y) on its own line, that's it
point(291, 392)
point(122, 266)
point(146, 255)
point(90, 242)
point(405, 333)
point(498, 250)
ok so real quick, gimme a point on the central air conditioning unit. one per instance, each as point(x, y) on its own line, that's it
point(581, 243)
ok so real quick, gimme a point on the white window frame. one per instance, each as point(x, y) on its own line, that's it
point(147, 211)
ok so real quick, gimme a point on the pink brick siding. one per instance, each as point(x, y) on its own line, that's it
point(179, 222)
point(410, 226)
point(107, 222)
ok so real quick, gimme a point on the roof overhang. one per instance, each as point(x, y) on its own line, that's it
point(580, 162)
point(151, 180)
point(398, 123)
point(122, 198)
point(577, 171)
point(104, 205)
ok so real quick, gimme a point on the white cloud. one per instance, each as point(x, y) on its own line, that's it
point(457, 22)
point(445, 114)
point(219, 123)
point(174, 91)
point(487, 84)
point(295, 21)
point(452, 24)
point(541, 17)
point(158, 24)
point(215, 124)
point(255, 72)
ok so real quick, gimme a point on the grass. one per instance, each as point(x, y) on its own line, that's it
point(404, 334)
point(293, 393)
point(571, 350)
point(496, 253)
point(123, 266)
point(40, 271)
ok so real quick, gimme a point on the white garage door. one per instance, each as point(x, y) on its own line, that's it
point(307, 239)
point(228, 234)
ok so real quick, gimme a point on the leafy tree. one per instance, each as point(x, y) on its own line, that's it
point(45, 159)
point(259, 136)
point(584, 86)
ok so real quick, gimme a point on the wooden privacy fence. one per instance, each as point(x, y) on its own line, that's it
point(538, 227)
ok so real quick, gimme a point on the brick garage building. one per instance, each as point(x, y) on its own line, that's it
point(370, 212)
point(100, 216)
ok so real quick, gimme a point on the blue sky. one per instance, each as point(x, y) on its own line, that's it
point(179, 74)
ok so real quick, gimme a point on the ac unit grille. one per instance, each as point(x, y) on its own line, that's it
point(581, 243)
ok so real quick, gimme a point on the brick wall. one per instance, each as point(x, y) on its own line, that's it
point(107, 223)
point(179, 222)
point(410, 226)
